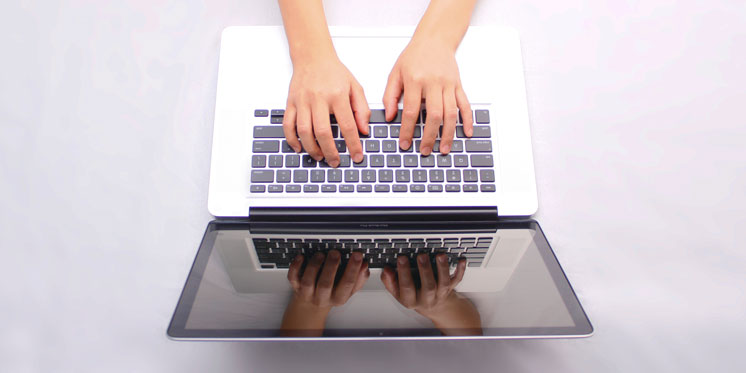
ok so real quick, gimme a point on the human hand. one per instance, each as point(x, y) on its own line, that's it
point(452, 313)
point(322, 85)
point(313, 298)
point(427, 69)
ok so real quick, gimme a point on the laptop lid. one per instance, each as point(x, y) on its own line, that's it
point(535, 299)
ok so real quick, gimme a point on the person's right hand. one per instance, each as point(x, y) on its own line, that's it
point(322, 85)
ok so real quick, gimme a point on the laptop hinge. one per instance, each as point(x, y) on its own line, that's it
point(372, 214)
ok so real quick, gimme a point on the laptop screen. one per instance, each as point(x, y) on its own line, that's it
point(503, 282)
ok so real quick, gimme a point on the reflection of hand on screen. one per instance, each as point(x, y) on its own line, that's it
point(315, 294)
point(451, 312)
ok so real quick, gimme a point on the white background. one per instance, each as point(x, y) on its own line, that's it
point(638, 116)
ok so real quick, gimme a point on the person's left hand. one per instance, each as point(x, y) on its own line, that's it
point(322, 292)
point(427, 69)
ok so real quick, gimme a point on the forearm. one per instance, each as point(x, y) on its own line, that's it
point(457, 316)
point(445, 21)
point(306, 29)
point(303, 319)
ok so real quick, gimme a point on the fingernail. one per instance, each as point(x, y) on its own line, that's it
point(425, 150)
point(297, 149)
point(404, 144)
point(334, 163)
point(445, 148)
point(441, 258)
point(358, 157)
point(402, 260)
point(356, 256)
point(422, 259)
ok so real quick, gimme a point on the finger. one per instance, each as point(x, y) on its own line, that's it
point(407, 292)
point(410, 113)
point(322, 128)
point(343, 290)
point(388, 278)
point(325, 282)
point(305, 132)
point(360, 107)
point(467, 117)
point(308, 281)
point(294, 272)
point(434, 107)
point(392, 94)
point(362, 277)
point(444, 275)
point(427, 279)
point(450, 119)
point(288, 126)
point(349, 129)
point(459, 274)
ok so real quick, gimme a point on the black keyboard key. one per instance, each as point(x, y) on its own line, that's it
point(457, 146)
point(394, 131)
point(292, 188)
point(275, 161)
point(377, 116)
point(453, 176)
point(368, 176)
point(417, 132)
point(482, 116)
point(461, 160)
point(364, 188)
point(275, 188)
point(266, 146)
point(346, 188)
point(393, 160)
point(460, 132)
point(380, 132)
point(332, 120)
point(487, 187)
point(382, 188)
point(417, 187)
point(444, 160)
point(262, 176)
point(471, 176)
point(257, 188)
point(478, 146)
point(487, 176)
point(389, 146)
point(399, 188)
point(335, 130)
point(436, 176)
point(328, 188)
point(317, 176)
point(352, 176)
point(292, 160)
point(300, 176)
point(277, 112)
point(258, 161)
point(481, 160)
point(334, 175)
point(310, 188)
point(453, 188)
point(481, 131)
point(372, 146)
point(428, 161)
point(386, 176)
point(309, 162)
point(402, 176)
point(419, 175)
point(411, 160)
point(340, 144)
point(344, 160)
point(268, 132)
point(261, 112)
point(434, 188)
point(283, 176)
point(377, 160)
point(285, 147)
point(471, 188)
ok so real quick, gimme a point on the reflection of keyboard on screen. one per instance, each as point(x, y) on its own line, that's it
point(469, 167)
point(378, 252)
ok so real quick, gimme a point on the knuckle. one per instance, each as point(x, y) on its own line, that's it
point(410, 113)
point(304, 131)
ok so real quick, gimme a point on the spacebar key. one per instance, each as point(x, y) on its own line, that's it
point(268, 132)
point(481, 160)
point(262, 176)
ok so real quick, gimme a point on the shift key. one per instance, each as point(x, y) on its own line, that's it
point(262, 176)
point(482, 160)
point(266, 146)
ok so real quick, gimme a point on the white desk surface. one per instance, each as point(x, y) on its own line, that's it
point(638, 113)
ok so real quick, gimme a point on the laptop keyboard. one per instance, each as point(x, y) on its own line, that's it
point(378, 252)
point(385, 168)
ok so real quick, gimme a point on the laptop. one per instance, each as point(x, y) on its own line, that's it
point(273, 205)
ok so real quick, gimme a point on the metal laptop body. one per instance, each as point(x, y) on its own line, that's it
point(255, 71)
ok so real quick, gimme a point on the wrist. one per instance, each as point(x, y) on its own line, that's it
point(311, 53)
